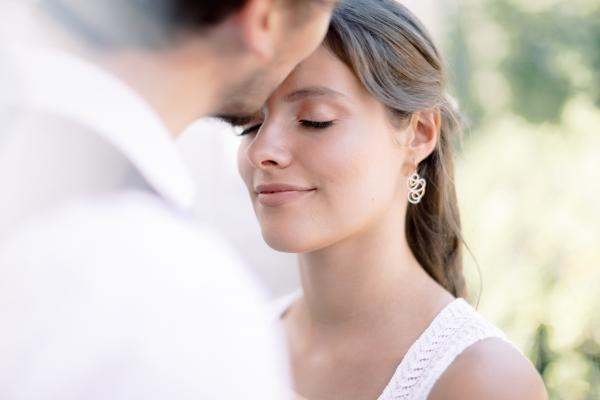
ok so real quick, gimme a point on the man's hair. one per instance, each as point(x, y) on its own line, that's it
point(148, 23)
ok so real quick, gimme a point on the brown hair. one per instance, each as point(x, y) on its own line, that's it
point(394, 57)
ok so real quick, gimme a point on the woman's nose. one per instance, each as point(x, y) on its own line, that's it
point(269, 149)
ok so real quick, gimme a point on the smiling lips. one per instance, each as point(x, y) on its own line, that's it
point(278, 194)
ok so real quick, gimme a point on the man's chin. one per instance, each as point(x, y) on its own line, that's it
point(245, 100)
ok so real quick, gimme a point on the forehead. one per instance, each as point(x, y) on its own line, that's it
point(322, 74)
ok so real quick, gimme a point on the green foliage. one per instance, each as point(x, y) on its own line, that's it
point(544, 56)
point(527, 75)
point(529, 198)
point(542, 356)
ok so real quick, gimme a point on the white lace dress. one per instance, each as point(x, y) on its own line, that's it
point(453, 330)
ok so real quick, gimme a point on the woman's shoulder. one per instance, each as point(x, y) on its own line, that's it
point(461, 355)
point(492, 369)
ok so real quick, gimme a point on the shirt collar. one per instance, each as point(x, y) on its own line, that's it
point(65, 85)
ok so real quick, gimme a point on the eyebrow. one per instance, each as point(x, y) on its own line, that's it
point(313, 91)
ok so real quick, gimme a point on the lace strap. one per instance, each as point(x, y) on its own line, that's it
point(456, 327)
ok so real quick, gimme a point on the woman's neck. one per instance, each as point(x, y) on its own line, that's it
point(363, 280)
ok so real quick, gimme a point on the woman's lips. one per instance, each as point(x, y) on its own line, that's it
point(278, 194)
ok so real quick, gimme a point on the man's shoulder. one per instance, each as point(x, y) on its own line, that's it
point(130, 280)
point(490, 369)
point(136, 252)
point(133, 232)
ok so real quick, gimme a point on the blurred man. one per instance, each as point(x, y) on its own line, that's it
point(107, 291)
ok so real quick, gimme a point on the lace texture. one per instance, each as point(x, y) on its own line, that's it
point(453, 330)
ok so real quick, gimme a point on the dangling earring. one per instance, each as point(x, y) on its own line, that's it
point(416, 187)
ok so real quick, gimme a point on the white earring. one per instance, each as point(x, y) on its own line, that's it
point(416, 188)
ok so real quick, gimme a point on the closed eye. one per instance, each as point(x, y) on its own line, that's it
point(316, 124)
point(250, 130)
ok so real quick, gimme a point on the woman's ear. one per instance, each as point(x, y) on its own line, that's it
point(424, 133)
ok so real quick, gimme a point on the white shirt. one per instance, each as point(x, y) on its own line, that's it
point(107, 290)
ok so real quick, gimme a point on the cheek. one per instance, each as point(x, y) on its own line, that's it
point(317, 31)
point(361, 174)
point(305, 43)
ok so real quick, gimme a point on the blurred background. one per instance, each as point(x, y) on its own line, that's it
point(527, 76)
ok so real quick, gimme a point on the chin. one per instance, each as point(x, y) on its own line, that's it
point(289, 243)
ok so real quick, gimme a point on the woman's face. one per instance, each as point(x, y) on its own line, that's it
point(323, 162)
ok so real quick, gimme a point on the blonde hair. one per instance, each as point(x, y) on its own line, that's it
point(394, 57)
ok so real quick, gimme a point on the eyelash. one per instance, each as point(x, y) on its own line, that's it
point(304, 123)
point(250, 130)
point(317, 124)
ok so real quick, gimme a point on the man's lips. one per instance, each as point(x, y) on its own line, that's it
point(277, 194)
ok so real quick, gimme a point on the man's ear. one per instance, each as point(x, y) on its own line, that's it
point(424, 133)
point(257, 21)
